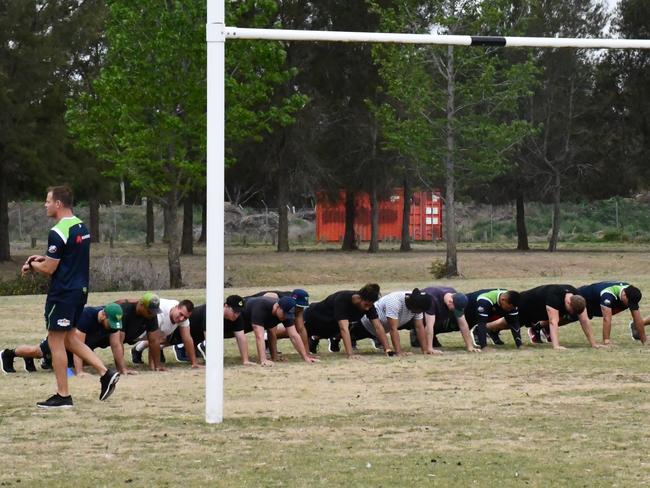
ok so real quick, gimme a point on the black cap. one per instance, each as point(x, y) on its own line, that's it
point(418, 300)
point(235, 302)
point(633, 295)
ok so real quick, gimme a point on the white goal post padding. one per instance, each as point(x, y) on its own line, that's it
point(216, 35)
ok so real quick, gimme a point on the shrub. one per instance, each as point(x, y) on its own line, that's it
point(35, 284)
point(438, 269)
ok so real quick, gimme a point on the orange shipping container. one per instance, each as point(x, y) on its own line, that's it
point(425, 223)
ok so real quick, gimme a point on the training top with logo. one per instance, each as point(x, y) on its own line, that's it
point(337, 306)
point(391, 306)
point(438, 307)
point(259, 311)
point(135, 326)
point(69, 243)
point(533, 303)
point(165, 324)
point(603, 294)
point(483, 307)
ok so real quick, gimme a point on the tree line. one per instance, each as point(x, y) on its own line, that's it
point(108, 93)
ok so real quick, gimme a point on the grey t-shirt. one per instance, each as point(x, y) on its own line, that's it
point(391, 306)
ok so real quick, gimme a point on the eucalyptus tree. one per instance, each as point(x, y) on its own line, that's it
point(146, 112)
point(452, 110)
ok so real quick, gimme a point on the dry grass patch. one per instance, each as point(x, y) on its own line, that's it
point(503, 417)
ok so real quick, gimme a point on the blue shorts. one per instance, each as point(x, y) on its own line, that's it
point(62, 314)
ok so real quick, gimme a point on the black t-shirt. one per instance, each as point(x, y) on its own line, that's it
point(134, 325)
point(259, 311)
point(438, 307)
point(335, 307)
point(533, 303)
point(198, 323)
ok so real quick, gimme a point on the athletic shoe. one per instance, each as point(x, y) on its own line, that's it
point(162, 356)
point(516, 335)
point(29, 365)
point(107, 382)
point(377, 345)
point(354, 345)
point(136, 356)
point(494, 337)
point(435, 342)
point(334, 345)
point(313, 345)
point(633, 332)
point(535, 335)
point(201, 348)
point(56, 401)
point(7, 360)
point(46, 363)
point(181, 354)
point(546, 334)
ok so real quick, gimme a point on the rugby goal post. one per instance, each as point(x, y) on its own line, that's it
point(216, 35)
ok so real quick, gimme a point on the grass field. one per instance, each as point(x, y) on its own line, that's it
point(533, 417)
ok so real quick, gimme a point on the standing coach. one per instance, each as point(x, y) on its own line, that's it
point(67, 261)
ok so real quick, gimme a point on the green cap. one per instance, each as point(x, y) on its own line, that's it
point(151, 301)
point(114, 315)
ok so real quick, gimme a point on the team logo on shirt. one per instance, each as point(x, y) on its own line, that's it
point(481, 309)
point(608, 301)
point(52, 249)
point(63, 323)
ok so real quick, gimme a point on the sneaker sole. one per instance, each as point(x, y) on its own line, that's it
point(331, 349)
point(50, 407)
point(202, 352)
point(111, 386)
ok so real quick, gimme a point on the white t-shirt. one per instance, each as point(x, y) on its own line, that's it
point(391, 306)
point(164, 319)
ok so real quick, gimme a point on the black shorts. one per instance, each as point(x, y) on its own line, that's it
point(198, 335)
point(62, 314)
point(322, 330)
point(47, 353)
point(359, 332)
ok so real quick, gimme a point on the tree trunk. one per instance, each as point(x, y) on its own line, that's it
point(522, 232)
point(451, 263)
point(555, 228)
point(5, 248)
point(170, 212)
point(283, 216)
point(123, 192)
point(374, 220)
point(349, 237)
point(150, 223)
point(405, 246)
point(204, 220)
point(187, 240)
point(93, 205)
